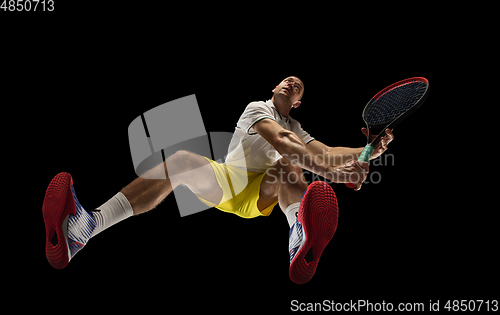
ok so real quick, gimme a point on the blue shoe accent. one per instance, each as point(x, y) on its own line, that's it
point(80, 227)
point(296, 238)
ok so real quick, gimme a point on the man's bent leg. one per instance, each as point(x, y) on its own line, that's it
point(182, 168)
point(69, 226)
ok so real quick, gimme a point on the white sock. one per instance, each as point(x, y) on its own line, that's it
point(114, 210)
point(291, 213)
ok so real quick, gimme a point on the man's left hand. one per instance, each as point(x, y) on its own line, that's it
point(381, 147)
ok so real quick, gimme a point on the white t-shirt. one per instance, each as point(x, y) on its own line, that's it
point(248, 150)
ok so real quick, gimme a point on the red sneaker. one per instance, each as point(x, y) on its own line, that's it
point(315, 226)
point(68, 226)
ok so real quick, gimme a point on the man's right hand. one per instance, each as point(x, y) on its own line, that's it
point(353, 172)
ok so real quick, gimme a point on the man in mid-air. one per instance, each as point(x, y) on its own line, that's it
point(267, 154)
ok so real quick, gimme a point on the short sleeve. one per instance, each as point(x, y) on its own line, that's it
point(304, 135)
point(254, 112)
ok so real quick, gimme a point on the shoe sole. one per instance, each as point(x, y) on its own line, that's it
point(58, 204)
point(318, 214)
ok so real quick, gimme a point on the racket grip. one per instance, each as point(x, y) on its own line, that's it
point(364, 157)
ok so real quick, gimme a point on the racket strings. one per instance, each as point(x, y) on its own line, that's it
point(394, 102)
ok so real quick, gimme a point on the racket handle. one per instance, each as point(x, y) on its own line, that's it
point(364, 157)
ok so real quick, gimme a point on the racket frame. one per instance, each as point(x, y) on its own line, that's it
point(368, 149)
point(398, 119)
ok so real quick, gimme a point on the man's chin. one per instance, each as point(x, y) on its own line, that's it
point(283, 94)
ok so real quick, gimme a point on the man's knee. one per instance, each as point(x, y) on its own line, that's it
point(195, 172)
point(179, 156)
point(183, 161)
point(290, 173)
point(288, 167)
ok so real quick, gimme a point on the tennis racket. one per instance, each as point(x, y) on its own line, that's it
point(389, 107)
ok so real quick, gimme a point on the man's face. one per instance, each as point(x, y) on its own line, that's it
point(291, 89)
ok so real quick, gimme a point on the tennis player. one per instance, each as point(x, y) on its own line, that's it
point(267, 154)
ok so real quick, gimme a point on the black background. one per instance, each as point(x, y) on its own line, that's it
point(78, 76)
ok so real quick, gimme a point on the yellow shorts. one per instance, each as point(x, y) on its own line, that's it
point(240, 191)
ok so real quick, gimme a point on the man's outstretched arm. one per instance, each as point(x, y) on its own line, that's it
point(292, 148)
point(334, 156)
point(337, 156)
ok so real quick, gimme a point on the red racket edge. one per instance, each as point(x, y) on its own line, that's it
point(399, 83)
